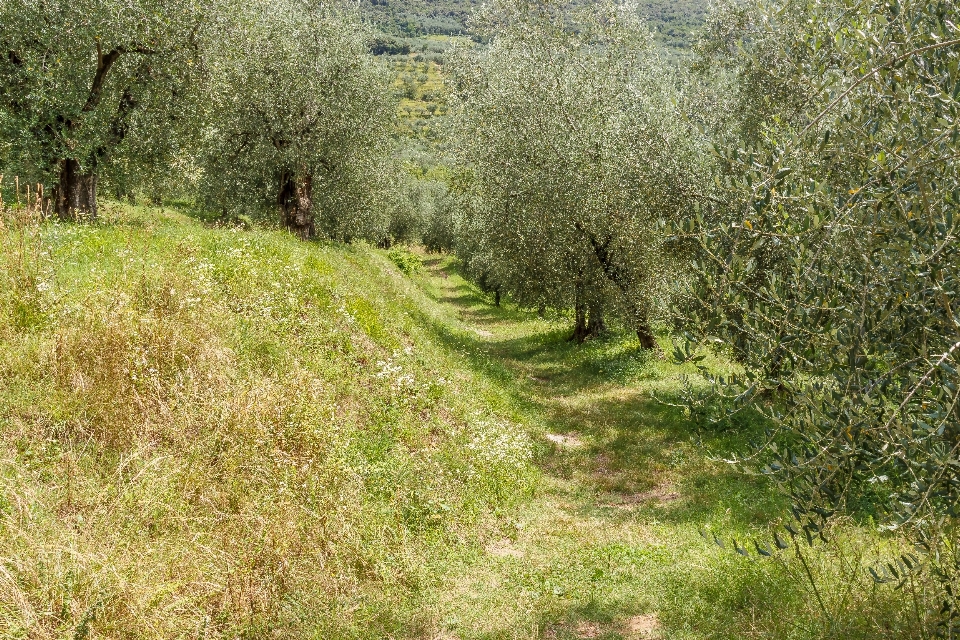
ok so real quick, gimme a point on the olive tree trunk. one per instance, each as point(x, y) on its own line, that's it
point(75, 195)
point(589, 320)
point(595, 322)
point(296, 204)
point(646, 336)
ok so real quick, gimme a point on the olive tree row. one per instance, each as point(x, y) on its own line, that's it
point(571, 156)
point(272, 104)
point(830, 268)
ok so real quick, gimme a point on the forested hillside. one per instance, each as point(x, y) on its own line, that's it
point(518, 319)
point(406, 22)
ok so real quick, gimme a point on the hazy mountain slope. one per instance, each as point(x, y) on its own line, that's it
point(673, 21)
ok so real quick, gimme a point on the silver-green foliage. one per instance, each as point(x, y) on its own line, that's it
point(572, 154)
point(80, 80)
point(295, 97)
point(831, 269)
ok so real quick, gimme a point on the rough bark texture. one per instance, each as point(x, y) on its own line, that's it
point(589, 323)
point(75, 196)
point(647, 339)
point(296, 204)
point(595, 322)
point(580, 325)
point(589, 317)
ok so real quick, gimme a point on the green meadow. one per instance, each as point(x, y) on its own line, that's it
point(209, 431)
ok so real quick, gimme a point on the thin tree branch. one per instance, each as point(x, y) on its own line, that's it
point(861, 79)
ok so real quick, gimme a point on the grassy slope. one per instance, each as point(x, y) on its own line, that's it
point(214, 432)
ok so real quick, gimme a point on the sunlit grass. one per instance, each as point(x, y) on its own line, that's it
point(227, 430)
point(611, 546)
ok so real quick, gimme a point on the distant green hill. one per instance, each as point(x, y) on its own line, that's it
point(673, 21)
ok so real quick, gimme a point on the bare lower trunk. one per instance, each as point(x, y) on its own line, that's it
point(75, 196)
point(496, 296)
point(589, 318)
point(645, 334)
point(296, 204)
point(580, 325)
point(595, 322)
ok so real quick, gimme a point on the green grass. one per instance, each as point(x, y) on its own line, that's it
point(219, 432)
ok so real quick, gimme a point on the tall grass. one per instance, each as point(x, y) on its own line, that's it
point(215, 432)
point(211, 432)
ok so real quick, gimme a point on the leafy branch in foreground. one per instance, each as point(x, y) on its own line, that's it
point(830, 273)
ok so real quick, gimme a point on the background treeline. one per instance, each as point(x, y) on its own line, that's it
point(406, 23)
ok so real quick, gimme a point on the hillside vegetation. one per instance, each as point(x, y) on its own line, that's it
point(223, 432)
point(514, 319)
point(407, 23)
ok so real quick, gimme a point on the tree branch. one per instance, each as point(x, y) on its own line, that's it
point(861, 79)
point(104, 63)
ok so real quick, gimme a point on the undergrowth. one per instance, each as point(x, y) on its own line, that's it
point(215, 431)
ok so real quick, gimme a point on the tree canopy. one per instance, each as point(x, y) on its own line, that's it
point(299, 119)
point(830, 267)
point(79, 79)
point(573, 156)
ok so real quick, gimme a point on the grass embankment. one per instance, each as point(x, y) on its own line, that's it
point(213, 432)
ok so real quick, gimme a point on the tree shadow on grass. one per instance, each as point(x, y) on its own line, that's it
point(611, 546)
point(607, 408)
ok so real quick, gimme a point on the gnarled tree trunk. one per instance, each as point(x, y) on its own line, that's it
point(580, 325)
point(588, 317)
point(616, 276)
point(595, 322)
point(75, 196)
point(645, 334)
point(296, 203)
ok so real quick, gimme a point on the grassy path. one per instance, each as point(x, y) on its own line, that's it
point(609, 545)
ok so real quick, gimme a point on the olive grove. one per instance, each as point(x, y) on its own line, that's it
point(830, 266)
point(573, 155)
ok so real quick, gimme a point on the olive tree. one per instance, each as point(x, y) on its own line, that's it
point(300, 118)
point(831, 265)
point(80, 77)
point(572, 155)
